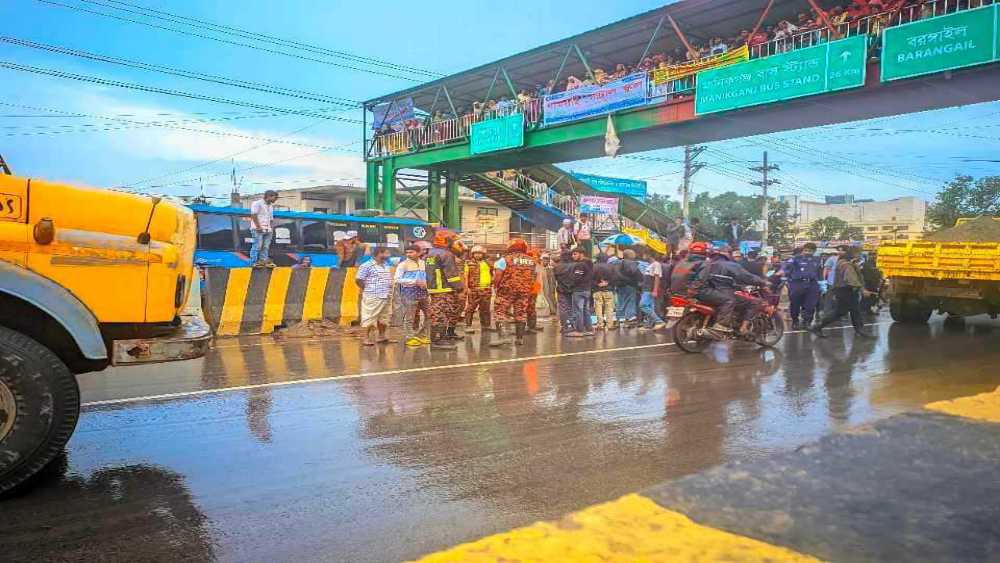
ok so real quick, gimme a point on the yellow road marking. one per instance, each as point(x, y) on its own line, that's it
point(274, 300)
point(312, 309)
point(232, 305)
point(985, 406)
point(632, 528)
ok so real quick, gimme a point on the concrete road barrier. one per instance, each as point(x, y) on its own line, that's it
point(239, 301)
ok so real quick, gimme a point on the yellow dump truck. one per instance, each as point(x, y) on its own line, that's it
point(955, 271)
point(88, 278)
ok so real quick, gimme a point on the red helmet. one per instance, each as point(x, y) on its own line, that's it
point(517, 245)
point(698, 248)
point(443, 238)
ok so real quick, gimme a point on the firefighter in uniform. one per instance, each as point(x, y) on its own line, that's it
point(458, 249)
point(515, 276)
point(444, 284)
point(804, 272)
point(479, 287)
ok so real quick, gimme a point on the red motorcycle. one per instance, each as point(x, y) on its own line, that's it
point(693, 332)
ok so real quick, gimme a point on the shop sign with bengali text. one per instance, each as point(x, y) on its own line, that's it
point(597, 205)
point(617, 186)
point(833, 66)
point(498, 134)
point(942, 43)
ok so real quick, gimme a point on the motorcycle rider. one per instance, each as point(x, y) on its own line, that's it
point(717, 284)
point(686, 271)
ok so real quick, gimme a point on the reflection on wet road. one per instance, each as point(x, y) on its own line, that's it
point(393, 465)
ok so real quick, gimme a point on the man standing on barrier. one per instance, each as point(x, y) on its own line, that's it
point(444, 283)
point(515, 275)
point(803, 272)
point(479, 286)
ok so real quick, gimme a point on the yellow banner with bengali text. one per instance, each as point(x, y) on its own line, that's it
point(687, 69)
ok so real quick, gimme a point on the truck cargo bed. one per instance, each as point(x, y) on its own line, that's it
point(941, 260)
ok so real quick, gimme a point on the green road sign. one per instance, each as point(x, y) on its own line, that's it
point(498, 134)
point(942, 43)
point(804, 72)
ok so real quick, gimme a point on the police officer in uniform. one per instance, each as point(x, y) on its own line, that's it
point(803, 273)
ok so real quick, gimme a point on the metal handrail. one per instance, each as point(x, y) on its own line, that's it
point(457, 129)
point(871, 25)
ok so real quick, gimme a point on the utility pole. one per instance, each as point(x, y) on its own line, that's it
point(690, 169)
point(4, 168)
point(764, 184)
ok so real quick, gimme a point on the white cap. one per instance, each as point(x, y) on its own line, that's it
point(339, 235)
point(352, 234)
point(567, 221)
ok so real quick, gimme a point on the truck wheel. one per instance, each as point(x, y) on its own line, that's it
point(909, 311)
point(39, 407)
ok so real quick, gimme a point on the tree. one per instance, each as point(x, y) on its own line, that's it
point(964, 197)
point(664, 204)
point(833, 228)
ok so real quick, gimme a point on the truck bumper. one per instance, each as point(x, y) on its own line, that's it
point(190, 340)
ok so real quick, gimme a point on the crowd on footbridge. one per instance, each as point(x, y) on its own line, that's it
point(768, 37)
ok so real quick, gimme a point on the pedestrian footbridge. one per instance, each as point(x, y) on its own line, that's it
point(692, 72)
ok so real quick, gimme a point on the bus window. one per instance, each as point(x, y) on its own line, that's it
point(337, 226)
point(392, 236)
point(215, 232)
point(370, 233)
point(286, 235)
point(314, 236)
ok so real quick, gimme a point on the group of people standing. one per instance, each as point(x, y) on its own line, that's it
point(444, 287)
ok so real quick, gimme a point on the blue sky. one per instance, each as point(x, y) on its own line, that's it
point(102, 144)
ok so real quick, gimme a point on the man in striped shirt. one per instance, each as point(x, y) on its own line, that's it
point(375, 281)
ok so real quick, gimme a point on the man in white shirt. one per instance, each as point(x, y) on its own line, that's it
point(261, 220)
point(565, 235)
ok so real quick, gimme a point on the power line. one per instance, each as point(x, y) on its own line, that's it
point(166, 91)
point(227, 157)
point(35, 130)
point(213, 78)
point(228, 42)
point(179, 128)
point(230, 30)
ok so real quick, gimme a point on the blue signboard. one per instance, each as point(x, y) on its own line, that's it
point(618, 186)
point(393, 114)
point(590, 101)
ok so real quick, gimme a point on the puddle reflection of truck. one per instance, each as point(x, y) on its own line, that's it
point(88, 278)
point(955, 271)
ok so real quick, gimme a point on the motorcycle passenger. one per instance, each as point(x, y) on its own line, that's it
point(686, 271)
point(717, 284)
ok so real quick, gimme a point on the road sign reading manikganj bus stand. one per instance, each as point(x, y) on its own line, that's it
point(833, 66)
point(498, 134)
point(943, 43)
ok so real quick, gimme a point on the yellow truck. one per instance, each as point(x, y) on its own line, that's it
point(955, 271)
point(88, 278)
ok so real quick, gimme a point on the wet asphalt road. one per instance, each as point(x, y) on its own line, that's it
point(391, 454)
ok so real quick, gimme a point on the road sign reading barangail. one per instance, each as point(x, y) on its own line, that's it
point(498, 134)
point(833, 66)
point(942, 43)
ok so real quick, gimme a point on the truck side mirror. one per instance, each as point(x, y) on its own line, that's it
point(44, 231)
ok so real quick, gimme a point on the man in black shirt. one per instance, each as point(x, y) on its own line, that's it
point(582, 282)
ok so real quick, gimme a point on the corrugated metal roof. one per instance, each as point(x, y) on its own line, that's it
point(604, 47)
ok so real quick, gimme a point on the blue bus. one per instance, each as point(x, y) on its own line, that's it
point(224, 236)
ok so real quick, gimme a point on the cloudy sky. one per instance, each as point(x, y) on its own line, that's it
point(96, 132)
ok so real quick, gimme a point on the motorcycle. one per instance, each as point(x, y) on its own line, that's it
point(693, 332)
